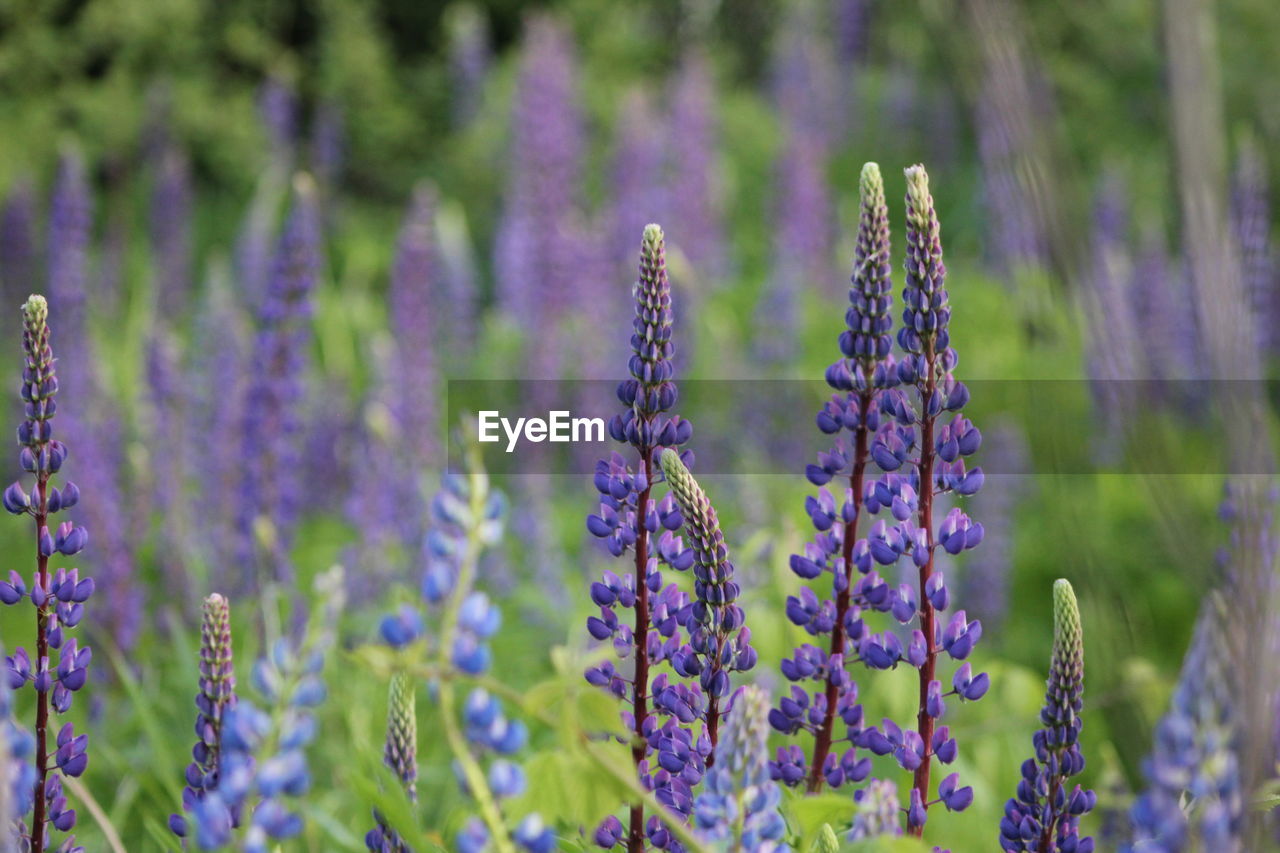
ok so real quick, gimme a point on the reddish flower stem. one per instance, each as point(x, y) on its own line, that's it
point(822, 739)
point(924, 722)
point(640, 636)
point(41, 513)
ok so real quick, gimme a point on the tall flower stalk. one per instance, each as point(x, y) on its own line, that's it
point(216, 698)
point(864, 369)
point(629, 521)
point(272, 431)
point(1045, 815)
point(58, 596)
point(468, 519)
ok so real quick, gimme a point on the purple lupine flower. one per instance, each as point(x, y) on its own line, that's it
point(536, 261)
point(804, 77)
point(217, 379)
point(802, 248)
point(1045, 814)
point(1193, 799)
point(877, 811)
point(19, 243)
point(70, 223)
point(269, 500)
point(216, 698)
point(739, 804)
point(988, 572)
point(853, 30)
point(328, 145)
point(933, 456)
point(458, 302)
point(401, 755)
point(630, 520)
point(638, 198)
point(414, 280)
point(1111, 325)
point(254, 242)
point(1251, 221)
point(1015, 239)
point(470, 55)
point(17, 773)
point(863, 371)
point(696, 217)
point(58, 597)
point(278, 111)
point(171, 225)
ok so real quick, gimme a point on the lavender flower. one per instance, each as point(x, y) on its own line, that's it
point(414, 283)
point(1194, 800)
point(401, 756)
point(859, 377)
point(1044, 816)
point(468, 517)
point(1251, 221)
point(19, 249)
point(470, 55)
point(272, 430)
point(171, 242)
point(738, 809)
point(278, 110)
point(937, 469)
point(262, 759)
point(630, 520)
point(694, 200)
point(328, 145)
point(58, 596)
point(70, 221)
point(216, 698)
point(536, 261)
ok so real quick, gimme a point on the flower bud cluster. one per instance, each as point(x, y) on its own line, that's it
point(401, 755)
point(1045, 815)
point(216, 698)
point(262, 761)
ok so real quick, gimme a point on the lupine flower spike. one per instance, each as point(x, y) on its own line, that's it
point(467, 519)
point(658, 710)
point(401, 755)
point(216, 697)
point(1045, 815)
point(262, 758)
point(58, 596)
point(738, 809)
point(859, 376)
point(1193, 800)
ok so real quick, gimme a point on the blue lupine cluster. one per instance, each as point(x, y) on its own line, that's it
point(876, 811)
point(58, 596)
point(1045, 815)
point(669, 754)
point(921, 457)
point(401, 755)
point(467, 517)
point(737, 809)
point(1194, 798)
point(262, 761)
point(18, 780)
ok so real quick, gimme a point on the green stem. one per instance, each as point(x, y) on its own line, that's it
point(471, 771)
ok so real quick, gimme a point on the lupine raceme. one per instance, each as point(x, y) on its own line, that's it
point(1045, 814)
point(658, 710)
point(401, 755)
point(467, 519)
point(58, 596)
point(216, 698)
